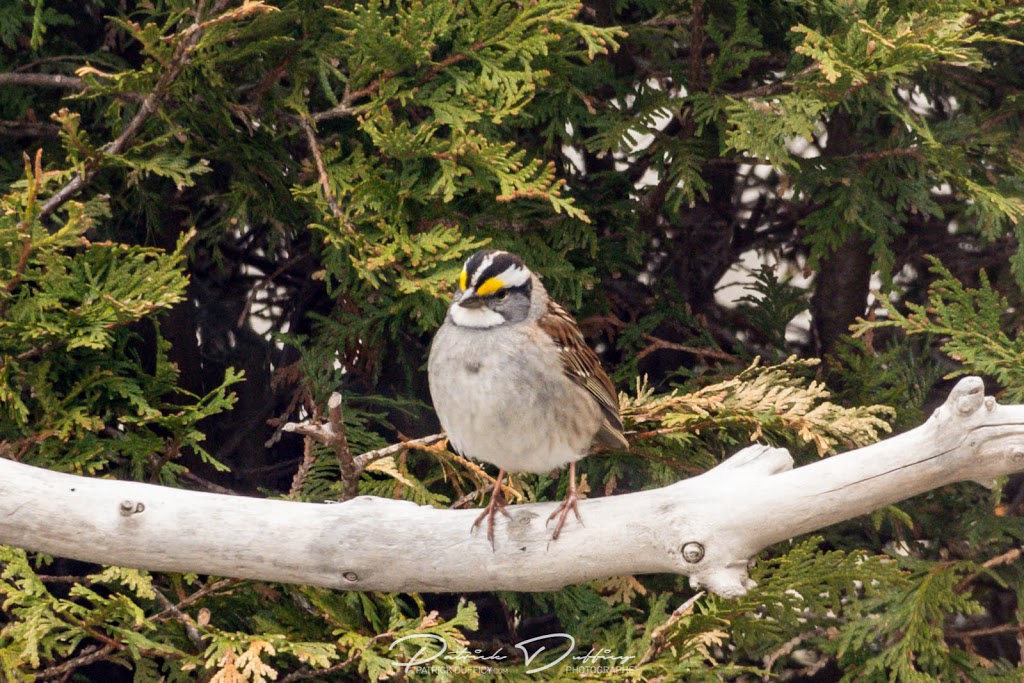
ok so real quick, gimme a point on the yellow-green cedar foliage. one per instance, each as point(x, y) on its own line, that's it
point(213, 214)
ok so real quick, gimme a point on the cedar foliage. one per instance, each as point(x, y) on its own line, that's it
point(215, 213)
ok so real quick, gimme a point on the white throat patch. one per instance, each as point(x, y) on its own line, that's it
point(475, 317)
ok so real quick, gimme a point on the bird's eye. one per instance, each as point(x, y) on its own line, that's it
point(501, 295)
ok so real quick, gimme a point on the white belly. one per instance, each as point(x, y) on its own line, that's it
point(512, 409)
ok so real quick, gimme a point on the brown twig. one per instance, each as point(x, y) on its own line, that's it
point(450, 61)
point(778, 88)
point(191, 598)
point(308, 458)
point(366, 458)
point(787, 648)
point(659, 636)
point(347, 107)
point(90, 654)
point(28, 129)
point(208, 485)
point(656, 344)
point(349, 472)
point(188, 622)
point(1009, 557)
point(338, 111)
point(989, 631)
point(878, 155)
point(170, 451)
point(695, 70)
point(19, 271)
point(332, 435)
point(466, 497)
point(321, 168)
point(43, 80)
point(266, 282)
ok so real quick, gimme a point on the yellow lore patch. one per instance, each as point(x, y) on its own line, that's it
point(462, 281)
point(489, 286)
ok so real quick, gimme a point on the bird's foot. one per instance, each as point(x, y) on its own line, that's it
point(497, 504)
point(562, 511)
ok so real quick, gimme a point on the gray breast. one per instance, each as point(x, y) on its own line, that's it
point(509, 402)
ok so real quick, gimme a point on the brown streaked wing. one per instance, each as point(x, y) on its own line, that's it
point(581, 364)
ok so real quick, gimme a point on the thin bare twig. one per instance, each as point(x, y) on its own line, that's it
point(90, 654)
point(188, 622)
point(656, 344)
point(1009, 557)
point(208, 485)
point(787, 648)
point(659, 636)
point(191, 598)
point(989, 631)
point(696, 70)
point(778, 88)
point(466, 497)
point(366, 458)
point(346, 106)
point(43, 80)
point(340, 110)
point(321, 168)
point(28, 129)
point(264, 283)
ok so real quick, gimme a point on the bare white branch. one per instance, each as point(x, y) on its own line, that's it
point(706, 527)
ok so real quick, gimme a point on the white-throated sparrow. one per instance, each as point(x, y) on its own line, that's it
point(514, 382)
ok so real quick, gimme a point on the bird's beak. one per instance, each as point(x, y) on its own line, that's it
point(469, 299)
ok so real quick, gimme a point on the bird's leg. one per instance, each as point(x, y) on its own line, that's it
point(497, 503)
point(562, 511)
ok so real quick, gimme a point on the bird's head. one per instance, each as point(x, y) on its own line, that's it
point(494, 289)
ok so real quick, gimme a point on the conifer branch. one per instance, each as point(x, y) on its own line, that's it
point(186, 42)
point(150, 105)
